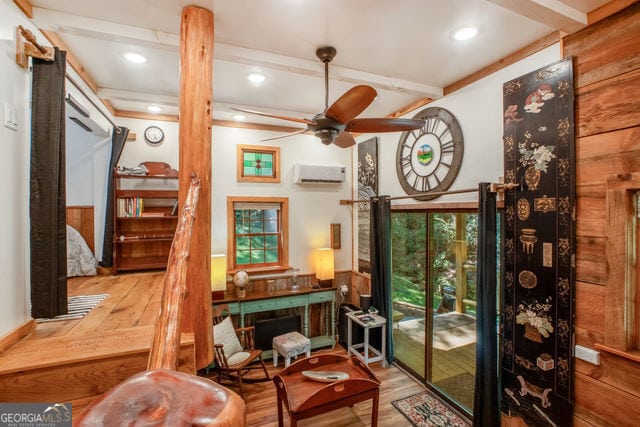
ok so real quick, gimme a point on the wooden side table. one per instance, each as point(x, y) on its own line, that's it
point(367, 321)
point(303, 397)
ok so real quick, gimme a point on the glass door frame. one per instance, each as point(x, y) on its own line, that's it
point(453, 208)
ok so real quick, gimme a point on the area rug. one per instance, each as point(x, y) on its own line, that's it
point(78, 306)
point(426, 410)
point(459, 387)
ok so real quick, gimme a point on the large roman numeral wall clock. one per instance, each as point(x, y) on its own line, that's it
point(428, 159)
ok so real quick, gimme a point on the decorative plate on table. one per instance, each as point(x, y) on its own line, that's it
point(326, 376)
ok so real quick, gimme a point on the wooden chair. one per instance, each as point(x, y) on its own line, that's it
point(235, 353)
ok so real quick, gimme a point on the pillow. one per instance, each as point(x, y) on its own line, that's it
point(224, 333)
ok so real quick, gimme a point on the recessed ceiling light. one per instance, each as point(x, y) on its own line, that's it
point(154, 108)
point(136, 58)
point(465, 33)
point(239, 117)
point(256, 78)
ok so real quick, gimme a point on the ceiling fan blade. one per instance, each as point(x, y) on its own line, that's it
point(275, 116)
point(344, 140)
point(368, 125)
point(351, 103)
point(285, 135)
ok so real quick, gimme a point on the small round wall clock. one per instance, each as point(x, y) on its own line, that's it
point(153, 135)
point(428, 159)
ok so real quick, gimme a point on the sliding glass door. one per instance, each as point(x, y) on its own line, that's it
point(434, 294)
point(452, 261)
point(409, 287)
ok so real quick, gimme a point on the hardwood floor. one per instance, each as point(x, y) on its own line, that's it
point(262, 410)
point(134, 301)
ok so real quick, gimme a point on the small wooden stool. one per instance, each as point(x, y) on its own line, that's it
point(290, 345)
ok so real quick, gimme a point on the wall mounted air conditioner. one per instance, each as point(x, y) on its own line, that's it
point(318, 174)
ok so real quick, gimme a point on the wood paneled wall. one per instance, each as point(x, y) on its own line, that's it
point(607, 75)
point(81, 218)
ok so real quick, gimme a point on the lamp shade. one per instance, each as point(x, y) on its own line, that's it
point(324, 264)
point(218, 275)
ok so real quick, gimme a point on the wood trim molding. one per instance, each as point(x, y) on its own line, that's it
point(146, 116)
point(254, 126)
point(264, 149)
point(284, 213)
point(26, 7)
point(620, 310)
point(510, 59)
point(17, 334)
point(55, 40)
point(409, 108)
point(607, 10)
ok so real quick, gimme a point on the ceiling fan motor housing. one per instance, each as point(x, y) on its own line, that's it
point(326, 128)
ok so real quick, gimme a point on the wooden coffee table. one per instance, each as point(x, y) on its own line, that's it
point(303, 397)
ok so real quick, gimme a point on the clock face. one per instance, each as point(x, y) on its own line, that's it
point(153, 135)
point(428, 159)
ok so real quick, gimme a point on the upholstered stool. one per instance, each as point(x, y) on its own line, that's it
point(290, 345)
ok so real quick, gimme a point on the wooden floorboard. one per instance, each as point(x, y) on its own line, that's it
point(134, 301)
point(262, 410)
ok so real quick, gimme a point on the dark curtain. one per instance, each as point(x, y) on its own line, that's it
point(380, 254)
point(47, 204)
point(486, 410)
point(118, 139)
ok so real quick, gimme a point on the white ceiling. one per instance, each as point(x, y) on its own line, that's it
point(402, 48)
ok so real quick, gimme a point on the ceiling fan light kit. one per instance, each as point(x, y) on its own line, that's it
point(333, 125)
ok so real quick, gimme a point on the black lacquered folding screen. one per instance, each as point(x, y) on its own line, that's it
point(539, 243)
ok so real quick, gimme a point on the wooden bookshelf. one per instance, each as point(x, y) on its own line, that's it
point(145, 219)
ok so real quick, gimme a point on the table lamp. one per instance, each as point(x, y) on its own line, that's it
point(218, 276)
point(324, 267)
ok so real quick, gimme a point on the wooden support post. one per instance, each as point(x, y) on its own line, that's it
point(196, 93)
point(461, 282)
point(461, 257)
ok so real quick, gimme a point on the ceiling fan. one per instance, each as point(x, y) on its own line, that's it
point(336, 122)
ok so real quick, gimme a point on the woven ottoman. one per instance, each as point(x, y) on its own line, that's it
point(290, 345)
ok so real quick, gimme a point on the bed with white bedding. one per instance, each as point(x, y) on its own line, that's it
point(80, 258)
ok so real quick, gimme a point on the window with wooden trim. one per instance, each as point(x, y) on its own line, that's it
point(622, 317)
point(257, 230)
point(257, 163)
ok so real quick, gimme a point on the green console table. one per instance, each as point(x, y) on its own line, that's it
point(259, 302)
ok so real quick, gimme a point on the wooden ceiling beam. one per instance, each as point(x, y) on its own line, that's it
point(110, 31)
point(25, 6)
point(510, 59)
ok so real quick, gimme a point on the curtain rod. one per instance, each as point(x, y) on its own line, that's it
point(72, 80)
point(495, 187)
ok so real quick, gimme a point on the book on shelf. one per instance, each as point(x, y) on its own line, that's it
point(152, 214)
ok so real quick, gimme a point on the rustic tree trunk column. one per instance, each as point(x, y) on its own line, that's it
point(196, 92)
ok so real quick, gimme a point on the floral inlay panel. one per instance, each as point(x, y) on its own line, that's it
point(538, 287)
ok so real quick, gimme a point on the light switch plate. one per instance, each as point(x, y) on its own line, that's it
point(587, 354)
point(10, 120)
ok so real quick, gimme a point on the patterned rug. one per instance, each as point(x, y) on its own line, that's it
point(426, 410)
point(79, 306)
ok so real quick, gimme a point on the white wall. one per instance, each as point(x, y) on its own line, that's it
point(14, 177)
point(312, 207)
point(478, 108)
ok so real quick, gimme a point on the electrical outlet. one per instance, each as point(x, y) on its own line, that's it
point(344, 289)
point(587, 354)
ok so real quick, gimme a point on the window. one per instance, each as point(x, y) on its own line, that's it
point(257, 230)
point(622, 320)
point(258, 163)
